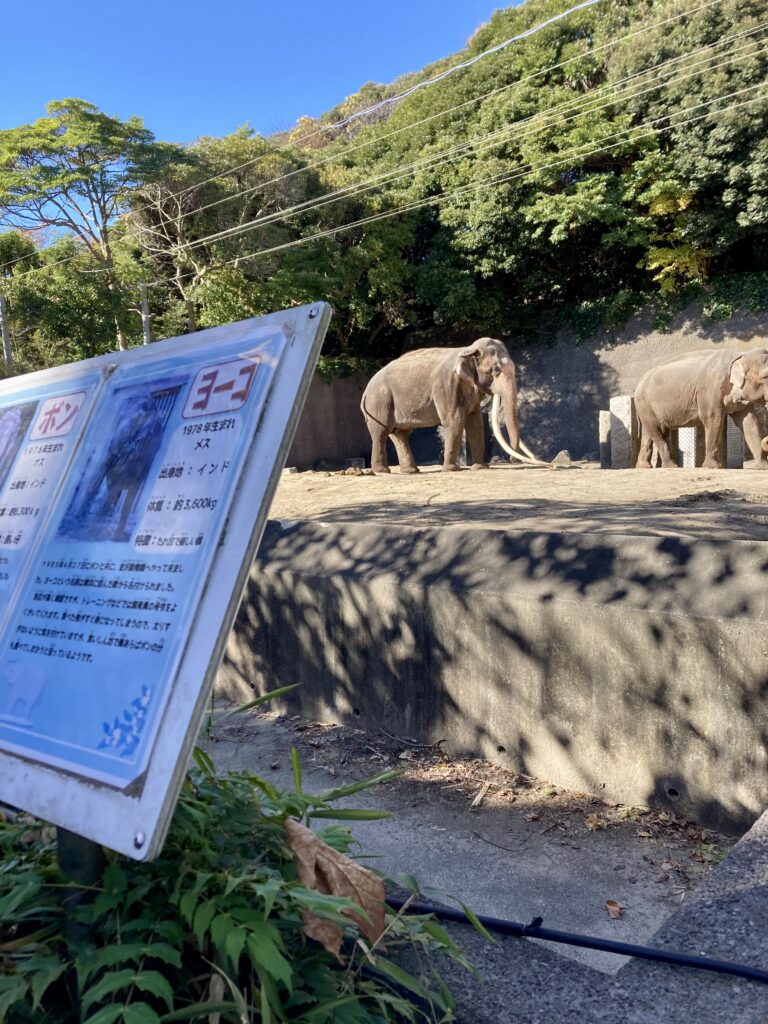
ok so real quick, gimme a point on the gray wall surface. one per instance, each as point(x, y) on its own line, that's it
point(633, 667)
point(331, 427)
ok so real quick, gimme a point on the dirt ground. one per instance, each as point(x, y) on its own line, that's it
point(508, 845)
point(730, 504)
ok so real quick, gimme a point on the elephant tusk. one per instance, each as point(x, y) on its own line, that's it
point(529, 459)
point(527, 451)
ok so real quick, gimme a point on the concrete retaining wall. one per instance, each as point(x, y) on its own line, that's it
point(331, 425)
point(631, 667)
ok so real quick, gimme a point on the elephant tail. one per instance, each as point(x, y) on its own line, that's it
point(367, 413)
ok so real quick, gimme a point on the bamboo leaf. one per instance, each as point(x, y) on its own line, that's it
point(296, 770)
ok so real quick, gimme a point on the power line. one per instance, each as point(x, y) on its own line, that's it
point(539, 122)
point(415, 124)
point(394, 99)
point(379, 139)
point(497, 180)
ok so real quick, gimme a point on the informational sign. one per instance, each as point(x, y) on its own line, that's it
point(40, 425)
point(138, 489)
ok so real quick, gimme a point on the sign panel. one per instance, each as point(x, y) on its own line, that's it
point(121, 616)
point(41, 422)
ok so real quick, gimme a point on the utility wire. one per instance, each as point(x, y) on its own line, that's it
point(591, 103)
point(336, 157)
point(347, 151)
point(537, 123)
point(393, 99)
point(568, 157)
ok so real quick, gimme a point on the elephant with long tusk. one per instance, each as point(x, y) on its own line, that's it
point(443, 386)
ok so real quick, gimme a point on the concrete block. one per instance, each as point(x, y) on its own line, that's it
point(687, 447)
point(604, 433)
point(625, 435)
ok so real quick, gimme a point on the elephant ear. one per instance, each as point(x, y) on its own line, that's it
point(465, 366)
point(738, 374)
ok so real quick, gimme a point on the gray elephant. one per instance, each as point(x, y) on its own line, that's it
point(443, 386)
point(702, 388)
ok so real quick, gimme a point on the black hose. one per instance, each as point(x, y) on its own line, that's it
point(535, 931)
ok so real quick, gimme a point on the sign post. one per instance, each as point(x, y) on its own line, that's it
point(157, 466)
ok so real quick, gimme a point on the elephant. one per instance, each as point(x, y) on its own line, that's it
point(445, 386)
point(702, 388)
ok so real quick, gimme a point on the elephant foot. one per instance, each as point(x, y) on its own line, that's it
point(479, 465)
point(669, 464)
point(409, 470)
point(645, 464)
point(380, 470)
point(710, 464)
point(756, 464)
point(451, 467)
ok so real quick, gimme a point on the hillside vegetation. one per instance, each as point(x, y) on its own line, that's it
point(617, 156)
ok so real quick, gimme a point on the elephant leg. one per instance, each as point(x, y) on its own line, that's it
point(404, 453)
point(714, 422)
point(453, 431)
point(646, 450)
point(653, 434)
point(379, 435)
point(476, 439)
point(747, 422)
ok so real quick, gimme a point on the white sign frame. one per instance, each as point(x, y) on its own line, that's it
point(135, 821)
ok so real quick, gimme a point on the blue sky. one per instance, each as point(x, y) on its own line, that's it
point(192, 69)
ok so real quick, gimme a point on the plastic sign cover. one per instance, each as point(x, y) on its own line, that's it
point(131, 492)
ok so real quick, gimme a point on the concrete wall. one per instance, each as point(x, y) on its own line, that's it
point(331, 425)
point(631, 667)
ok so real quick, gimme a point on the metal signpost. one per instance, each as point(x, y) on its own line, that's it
point(134, 490)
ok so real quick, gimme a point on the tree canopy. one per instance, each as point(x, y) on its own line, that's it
point(616, 155)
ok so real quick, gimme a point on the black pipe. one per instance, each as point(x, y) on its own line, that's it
point(535, 931)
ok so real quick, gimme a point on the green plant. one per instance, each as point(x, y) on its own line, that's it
point(218, 927)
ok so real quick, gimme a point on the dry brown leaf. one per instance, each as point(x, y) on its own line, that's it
point(481, 795)
point(532, 817)
point(215, 995)
point(643, 833)
point(326, 870)
point(614, 909)
point(594, 823)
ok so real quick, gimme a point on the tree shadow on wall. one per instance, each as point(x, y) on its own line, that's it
point(625, 666)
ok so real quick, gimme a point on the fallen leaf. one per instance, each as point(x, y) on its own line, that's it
point(481, 795)
point(325, 870)
point(614, 909)
point(532, 817)
point(594, 823)
point(643, 833)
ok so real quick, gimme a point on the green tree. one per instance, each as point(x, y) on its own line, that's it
point(73, 171)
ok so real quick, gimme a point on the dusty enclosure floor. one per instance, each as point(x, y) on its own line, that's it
point(730, 504)
point(507, 845)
